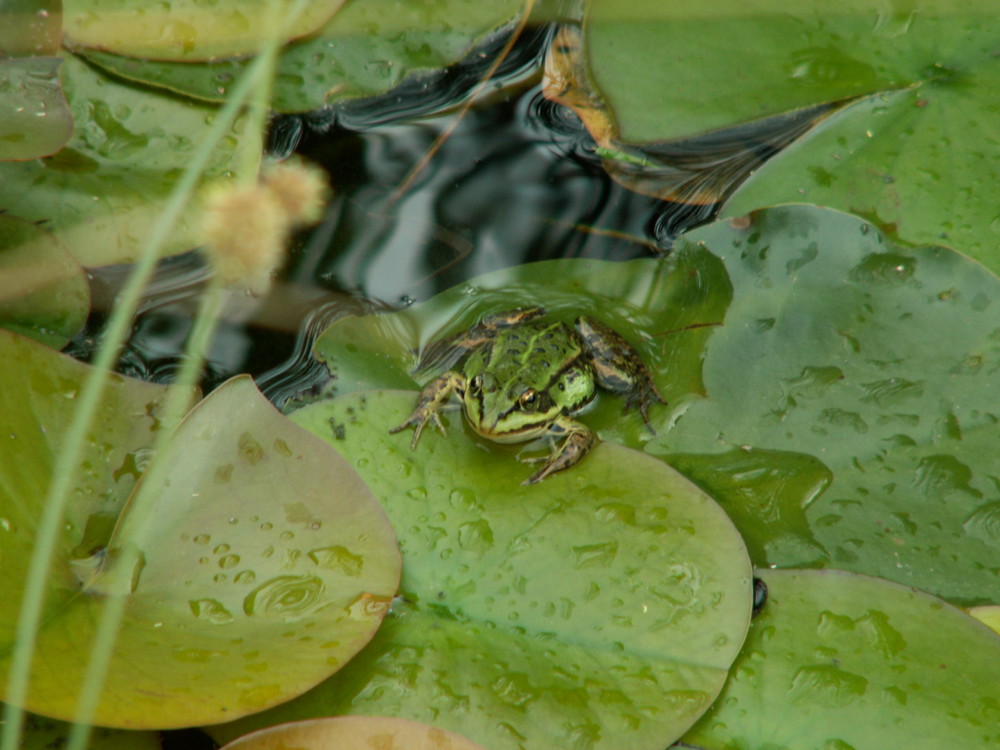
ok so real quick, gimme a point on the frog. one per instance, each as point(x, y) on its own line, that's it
point(521, 377)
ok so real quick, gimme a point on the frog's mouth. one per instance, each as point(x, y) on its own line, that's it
point(520, 435)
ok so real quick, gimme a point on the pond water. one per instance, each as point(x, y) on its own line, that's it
point(517, 180)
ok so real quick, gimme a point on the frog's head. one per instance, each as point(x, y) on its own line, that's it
point(507, 414)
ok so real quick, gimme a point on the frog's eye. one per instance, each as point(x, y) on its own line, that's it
point(476, 384)
point(529, 400)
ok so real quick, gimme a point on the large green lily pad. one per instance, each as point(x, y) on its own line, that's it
point(268, 563)
point(878, 363)
point(190, 29)
point(366, 48)
point(101, 194)
point(43, 291)
point(600, 608)
point(839, 660)
point(914, 155)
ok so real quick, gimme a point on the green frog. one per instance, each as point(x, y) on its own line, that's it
point(523, 378)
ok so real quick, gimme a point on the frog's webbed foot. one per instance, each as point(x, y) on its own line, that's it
point(578, 440)
point(432, 399)
point(618, 368)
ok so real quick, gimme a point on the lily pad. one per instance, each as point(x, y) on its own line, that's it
point(43, 291)
point(876, 361)
point(353, 733)
point(601, 607)
point(36, 120)
point(102, 193)
point(271, 563)
point(365, 49)
point(913, 154)
point(30, 28)
point(838, 660)
point(189, 29)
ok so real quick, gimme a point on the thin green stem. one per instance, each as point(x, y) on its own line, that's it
point(66, 469)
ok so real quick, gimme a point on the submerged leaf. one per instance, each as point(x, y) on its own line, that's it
point(36, 120)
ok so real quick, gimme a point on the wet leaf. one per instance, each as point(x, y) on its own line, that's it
point(367, 48)
point(879, 363)
point(100, 195)
point(348, 732)
point(188, 29)
point(36, 120)
point(30, 28)
point(43, 291)
point(989, 615)
point(269, 563)
point(914, 154)
point(838, 660)
point(602, 606)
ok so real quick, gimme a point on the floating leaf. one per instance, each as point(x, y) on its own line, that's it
point(43, 291)
point(101, 194)
point(45, 734)
point(36, 120)
point(838, 660)
point(367, 48)
point(189, 29)
point(353, 732)
point(30, 28)
point(602, 606)
point(270, 564)
point(876, 361)
point(914, 154)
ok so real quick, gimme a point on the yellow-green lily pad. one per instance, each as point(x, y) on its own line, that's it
point(352, 733)
point(189, 29)
point(264, 561)
point(839, 660)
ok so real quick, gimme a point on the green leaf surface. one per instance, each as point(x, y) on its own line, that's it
point(917, 153)
point(101, 194)
point(189, 29)
point(35, 121)
point(879, 364)
point(43, 291)
point(838, 660)
point(350, 732)
point(269, 565)
point(599, 608)
point(367, 48)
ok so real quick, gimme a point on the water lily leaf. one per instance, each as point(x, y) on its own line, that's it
point(878, 362)
point(188, 29)
point(43, 291)
point(270, 564)
point(911, 162)
point(367, 48)
point(353, 732)
point(911, 155)
point(36, 120)
point(44, 734)
point(30, 28)
point(102, 193)
point(989, 615)
point(602, 606)
point(839, 660)
point(667, 309)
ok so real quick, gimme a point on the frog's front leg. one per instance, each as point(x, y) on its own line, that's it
point(576, 441)
point(432, 398)
point(618, 367)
